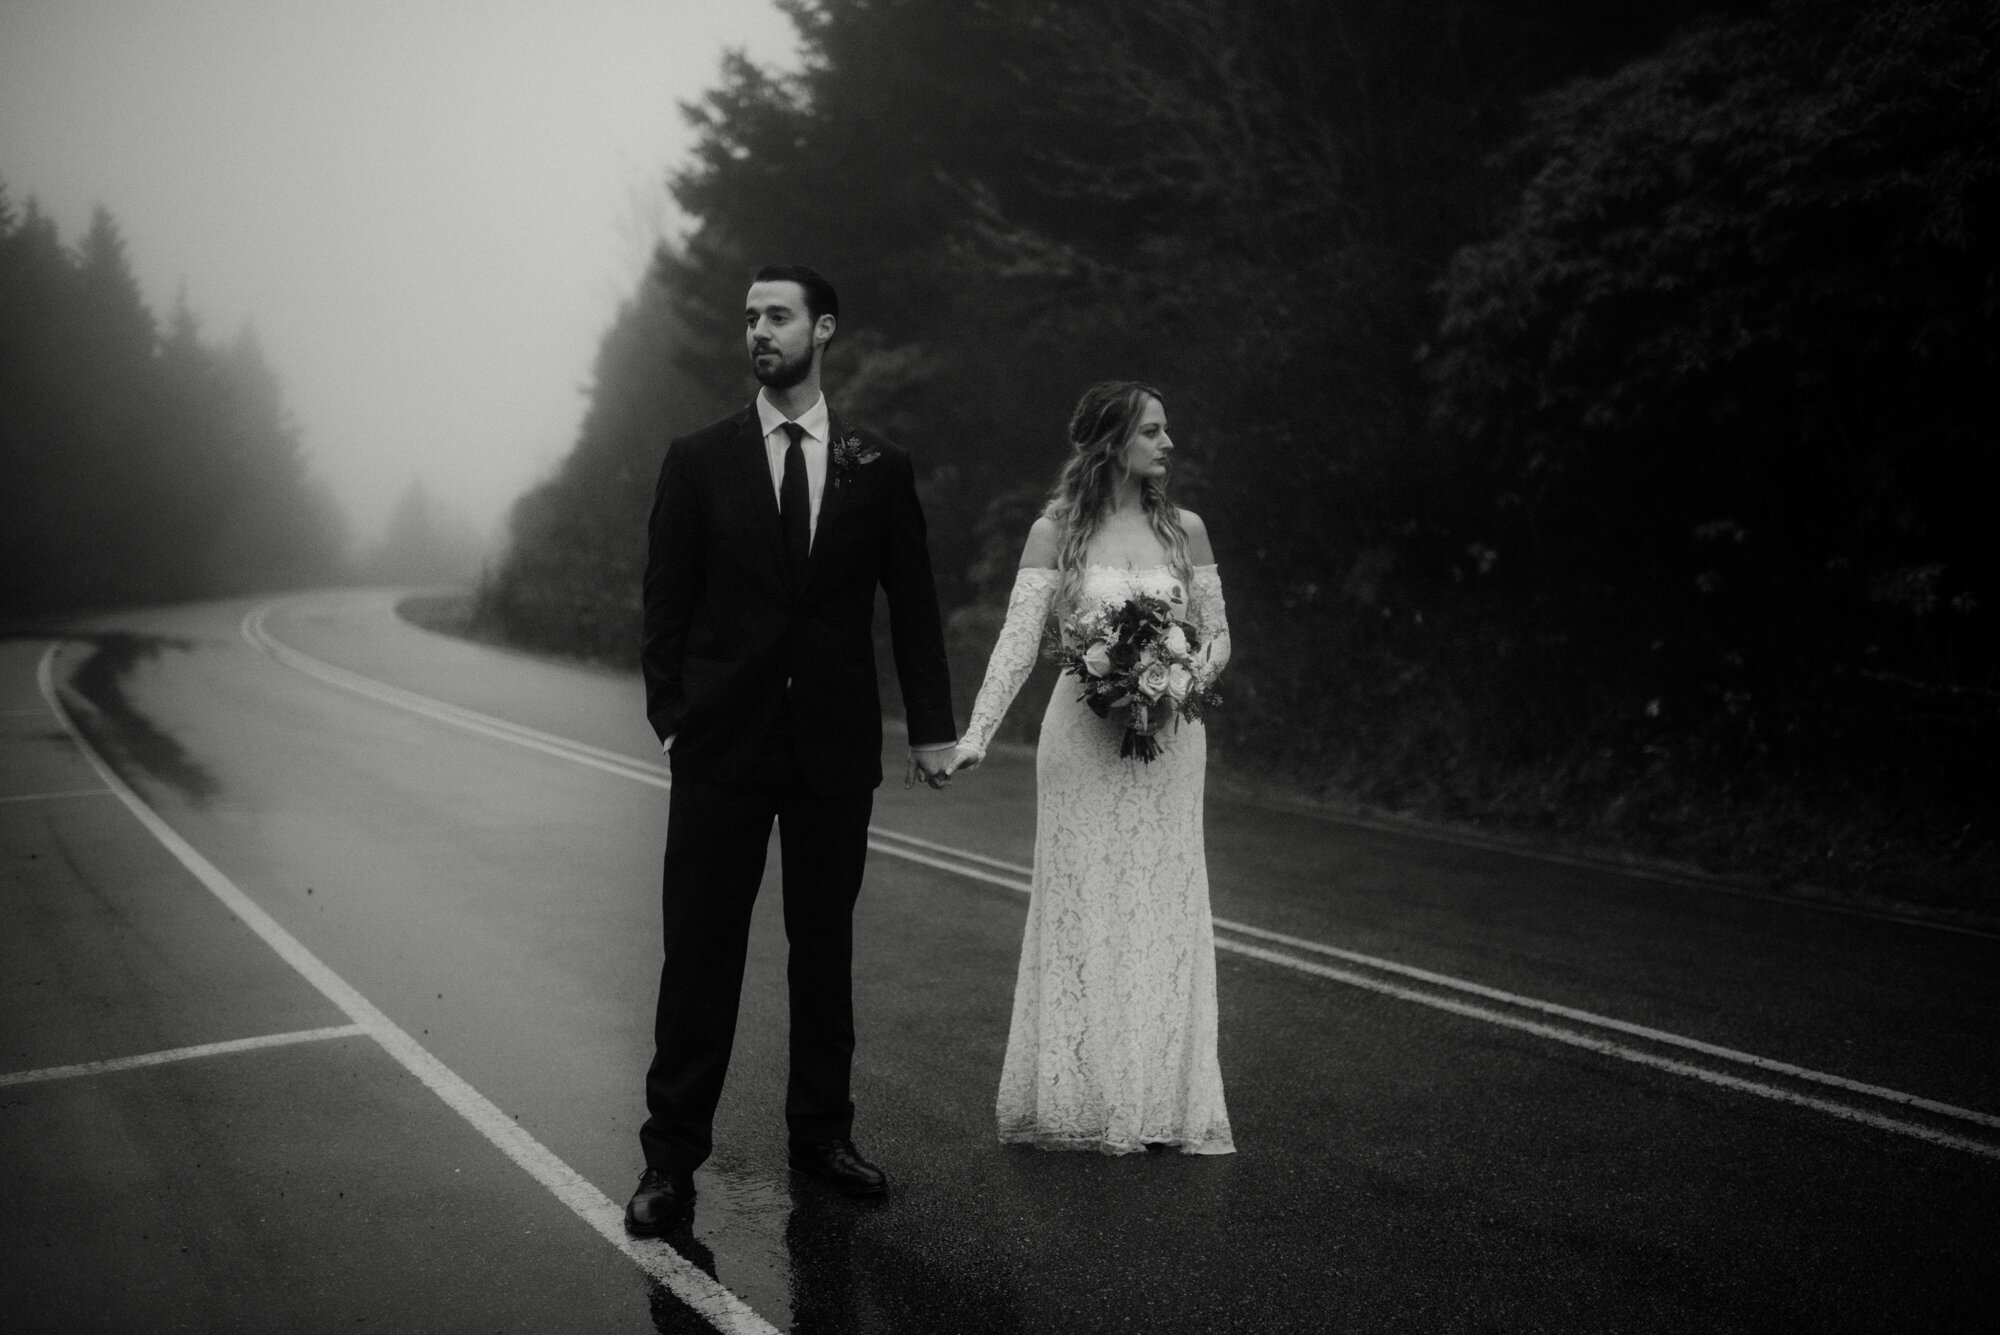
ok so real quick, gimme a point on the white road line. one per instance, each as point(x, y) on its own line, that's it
point(716, 1304)
point(978, 866)
point(486, 724)
point(50, 797)
point(1619, 1026)
point(1530, 1003)
point(1466, 985)
point(957, 868)
point(962, 854)
point(167, 1055)
point(260, 638)
point(1619, 1050)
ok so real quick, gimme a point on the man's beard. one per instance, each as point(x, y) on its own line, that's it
point(784, 373)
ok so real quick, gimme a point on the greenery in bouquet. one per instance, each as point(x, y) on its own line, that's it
point(1137, 657)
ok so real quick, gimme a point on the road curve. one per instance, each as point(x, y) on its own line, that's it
point(1471, 1088)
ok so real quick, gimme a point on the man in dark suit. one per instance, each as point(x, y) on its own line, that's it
point(771, 530)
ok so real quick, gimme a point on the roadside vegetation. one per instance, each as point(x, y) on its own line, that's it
point(139, 462)
point(1586, 401)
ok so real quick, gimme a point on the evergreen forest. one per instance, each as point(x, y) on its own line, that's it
point(139, 462)
point(1585, 400)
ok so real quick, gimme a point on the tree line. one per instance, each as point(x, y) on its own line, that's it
point(138, 462)
point(1583, 398)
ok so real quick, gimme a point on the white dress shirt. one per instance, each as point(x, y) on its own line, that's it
point(813, 446)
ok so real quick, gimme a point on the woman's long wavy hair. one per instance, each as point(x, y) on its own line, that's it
point(1104, 420)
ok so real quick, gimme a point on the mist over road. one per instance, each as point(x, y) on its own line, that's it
point(1470, 1088)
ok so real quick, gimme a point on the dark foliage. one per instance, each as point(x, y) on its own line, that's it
point(136, 466)
point(570, 579)
point(1637, 516)
point(1729, 367)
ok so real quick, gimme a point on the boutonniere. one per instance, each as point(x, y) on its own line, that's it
point(851, 454)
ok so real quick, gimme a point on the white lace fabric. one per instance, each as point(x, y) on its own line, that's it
point(1210, 617)
point(1028, 607)
point(1112, 1046)
point(1013, 655)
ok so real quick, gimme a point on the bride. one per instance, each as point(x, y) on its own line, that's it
point(1112, 1045)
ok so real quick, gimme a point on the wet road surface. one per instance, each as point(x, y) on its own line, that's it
point(1471, 1090)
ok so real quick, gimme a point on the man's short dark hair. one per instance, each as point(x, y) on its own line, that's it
point(821, 299)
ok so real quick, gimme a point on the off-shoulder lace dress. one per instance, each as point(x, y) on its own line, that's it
point(1112, 1045)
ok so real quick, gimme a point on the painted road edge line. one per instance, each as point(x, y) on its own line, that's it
point(957, 868)
point(956, 861)
point(1589, 1042)
point(1661, 1036)
point(1595, 1020)
point(963, 854)
point(706, 1296)
point(1620, 1050)
point(253, 631)
point(166, 1055)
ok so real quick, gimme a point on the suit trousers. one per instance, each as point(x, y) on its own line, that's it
point(717, 837)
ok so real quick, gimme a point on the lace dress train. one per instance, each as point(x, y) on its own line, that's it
point(1112, 1045)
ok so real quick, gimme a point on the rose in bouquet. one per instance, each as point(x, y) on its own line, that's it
point(1135, 656)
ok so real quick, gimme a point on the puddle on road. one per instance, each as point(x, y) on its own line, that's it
point(116, 727)
point(734, 1236)
point(838, 1264)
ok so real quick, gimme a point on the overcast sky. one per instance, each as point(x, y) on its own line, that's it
point(428, 209)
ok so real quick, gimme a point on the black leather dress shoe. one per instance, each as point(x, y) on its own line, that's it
point(662, 1201)
point(836, 1163)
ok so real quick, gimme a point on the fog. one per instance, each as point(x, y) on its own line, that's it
point(427, 211)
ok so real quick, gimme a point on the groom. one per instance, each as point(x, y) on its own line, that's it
point(771, 530)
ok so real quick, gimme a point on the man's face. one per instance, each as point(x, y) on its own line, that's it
point(781, 334)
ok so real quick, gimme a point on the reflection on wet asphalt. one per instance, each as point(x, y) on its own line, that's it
point(117, 728)
point(819, 1240)
point(849, 1264)
point(1403, 1168)
point(670, 1315)
point(852, 1270)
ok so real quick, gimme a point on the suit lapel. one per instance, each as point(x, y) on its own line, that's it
point(753, 472)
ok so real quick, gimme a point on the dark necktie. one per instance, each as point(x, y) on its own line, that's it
point(795, 504)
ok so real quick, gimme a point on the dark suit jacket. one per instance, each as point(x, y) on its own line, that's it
point(725, 630)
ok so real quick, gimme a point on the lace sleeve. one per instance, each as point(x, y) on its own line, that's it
point(1211, 618)
point(1013, 655)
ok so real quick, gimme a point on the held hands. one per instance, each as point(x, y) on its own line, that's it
point(933, 766)
point(964, 758)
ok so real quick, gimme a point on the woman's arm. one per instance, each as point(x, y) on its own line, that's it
point(1205, 604)
point(1014, 653)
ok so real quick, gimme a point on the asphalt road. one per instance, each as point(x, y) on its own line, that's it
point(409, 885)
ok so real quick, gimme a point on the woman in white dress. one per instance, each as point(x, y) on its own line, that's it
point(1112, 1045)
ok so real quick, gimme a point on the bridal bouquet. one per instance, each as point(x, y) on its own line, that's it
point(1136, 656)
